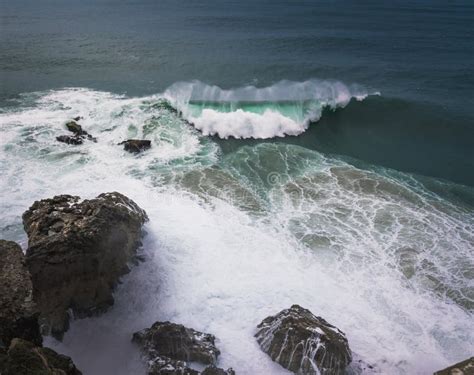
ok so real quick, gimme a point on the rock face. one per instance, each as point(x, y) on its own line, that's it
point(25, 358)
point(462, 368)
point(76, 253)
point(304, 343)
point(167, 346)
point(18, 312)
point(136, 145)
point(79, 134)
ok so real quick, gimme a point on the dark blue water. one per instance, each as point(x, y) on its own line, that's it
point(418, 54)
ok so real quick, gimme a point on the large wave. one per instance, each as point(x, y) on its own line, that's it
point(285, 108)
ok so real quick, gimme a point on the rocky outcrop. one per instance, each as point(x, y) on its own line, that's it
point(79, 134)
point(304, 343)
point(136, 145)
point(18, 312)
point(25, 358)
point(76, 253)
point(462, 368)
point(168, 347)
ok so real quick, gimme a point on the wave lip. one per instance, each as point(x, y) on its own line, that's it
point(285, 108)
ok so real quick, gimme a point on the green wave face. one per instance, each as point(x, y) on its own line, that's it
point(299, 111)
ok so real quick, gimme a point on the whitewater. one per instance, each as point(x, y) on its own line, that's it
point(235, 237)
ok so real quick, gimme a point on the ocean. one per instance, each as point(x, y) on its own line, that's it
point(313, 153)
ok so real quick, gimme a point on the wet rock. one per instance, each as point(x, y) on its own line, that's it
point(74, 127)
point(70, 140)
point(213, 370)
point(77, 118)
point(304, 343)
point(18, 312)
point(135, 145)
point(79, 134)
point(177, 342)
point(462, 368)
point(77, 252)
point(25, 358)
point(167, 366)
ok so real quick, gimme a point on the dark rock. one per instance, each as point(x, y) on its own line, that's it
point(18, 312)
point(74, 127)
point(177, 342)
point(76, 253)
point(77, 118)
point(462, 368)
point(304, 343)
point(70, 140)
point(213, 370)
point(135, 145)
point(167, 366)
point(25, 358)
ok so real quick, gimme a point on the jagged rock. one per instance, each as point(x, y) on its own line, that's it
point(177, 342)
point(70, 140)
point(76, 253)
point(77, 118)
point(166, 366)
point(18, 312)
point(213, 370)
point(25, 358)
point(79, 134)
point(304, 343)
point(462, 368)
point(74, 127)
point(135, 145)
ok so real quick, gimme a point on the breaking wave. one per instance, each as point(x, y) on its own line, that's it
point(285, 108)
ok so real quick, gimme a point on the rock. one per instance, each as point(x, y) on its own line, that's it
point(74, 127)
point(79, 134)
point(167, 366)
point(136, 145)
point(25, 358)
point(18, 312)
point(462, 368)
point(213, 370)
point(70, 140)
point(177, 342)
point(76, 253)
point(77, 118)
point(304, 343)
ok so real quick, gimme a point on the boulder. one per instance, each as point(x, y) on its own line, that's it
point(462, 368)
point(70, 140)
point(74, 127)
point(18, 312)
point(168, 346)
point(304, 343)
point(77, 252)
point(25, 358)
point(79, 134)
point(136, 145)
point(177, 342)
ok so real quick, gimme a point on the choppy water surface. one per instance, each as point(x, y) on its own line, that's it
point(238, 233)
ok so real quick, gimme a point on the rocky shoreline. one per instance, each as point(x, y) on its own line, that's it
point(77, 252)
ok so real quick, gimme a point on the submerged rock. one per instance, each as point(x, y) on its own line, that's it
point(462, 368)
point(304, 343)
point(168, 347)
point(135, 145)
point(76, 253)
point(177, 342)
point(25, 358)
point(18, 312)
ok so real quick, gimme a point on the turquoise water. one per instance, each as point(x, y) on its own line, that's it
point(311, 153)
